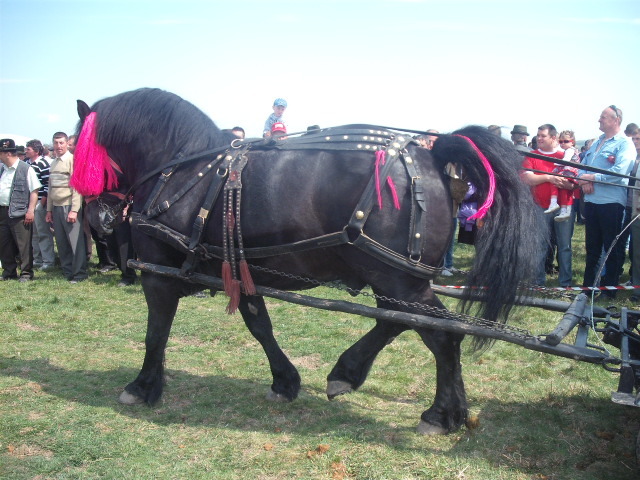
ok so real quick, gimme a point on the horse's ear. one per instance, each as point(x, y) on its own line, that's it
point(83, 110)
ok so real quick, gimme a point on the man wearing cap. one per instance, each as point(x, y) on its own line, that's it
point(519, 136)
point(19, 187)
point(279, 106)
point(604, 204)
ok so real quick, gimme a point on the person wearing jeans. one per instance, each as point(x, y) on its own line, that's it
point(542, 187)
point(605, 204)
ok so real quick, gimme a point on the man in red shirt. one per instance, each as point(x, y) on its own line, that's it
point(541, 187)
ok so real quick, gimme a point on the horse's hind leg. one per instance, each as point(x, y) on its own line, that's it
point(286, 380)
point(449, 410)
point(354, 364)
point(162, 302)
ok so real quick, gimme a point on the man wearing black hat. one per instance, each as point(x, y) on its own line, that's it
point(519, 136)
point(19, 187)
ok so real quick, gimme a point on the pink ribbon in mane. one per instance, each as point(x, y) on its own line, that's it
point(380, 160)
point(482, 211)
point(91, 162)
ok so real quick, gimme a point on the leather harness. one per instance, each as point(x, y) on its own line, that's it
point(228, 165)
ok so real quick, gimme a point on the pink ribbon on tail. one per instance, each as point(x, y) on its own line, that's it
point(380, 160)
point(91, 162)
point(484, 208)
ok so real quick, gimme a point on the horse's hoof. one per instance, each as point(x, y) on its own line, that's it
point(127, 399)
point(276, 397)
point(337, 387)
point(425, 428)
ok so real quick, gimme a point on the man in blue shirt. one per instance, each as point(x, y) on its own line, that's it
point(604, 204)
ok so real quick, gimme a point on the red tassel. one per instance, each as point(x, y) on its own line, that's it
point(234, 299)
point(227, 278)
point(248, 287)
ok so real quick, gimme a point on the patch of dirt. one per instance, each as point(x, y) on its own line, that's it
point(28, 327)
point(310, 362)
point(24, 450)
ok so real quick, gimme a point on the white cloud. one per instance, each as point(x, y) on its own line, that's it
point(49, 117)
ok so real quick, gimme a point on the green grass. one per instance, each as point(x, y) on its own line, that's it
point(68, 350)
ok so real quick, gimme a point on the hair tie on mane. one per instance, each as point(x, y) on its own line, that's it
point(91, 162)
point(482, 211)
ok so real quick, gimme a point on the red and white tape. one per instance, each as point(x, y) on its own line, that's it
point(578, 289)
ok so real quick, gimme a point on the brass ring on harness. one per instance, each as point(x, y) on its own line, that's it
point(235, 143)
point(224, 173)
point(413, 260)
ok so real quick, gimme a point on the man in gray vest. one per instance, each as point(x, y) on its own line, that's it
point(19, 187)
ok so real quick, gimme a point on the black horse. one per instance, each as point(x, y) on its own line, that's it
point(383, 201)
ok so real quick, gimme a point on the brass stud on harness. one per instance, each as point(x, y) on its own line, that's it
point(409, 160)
point(401, 139)
point(391, 151)
point(359, 214)
point(228, 158)
point(199, 174)
point(359, 145)
point(209, 166)
point(346, 137)
point(396, 144)
point(417, 235)
point(327, 138)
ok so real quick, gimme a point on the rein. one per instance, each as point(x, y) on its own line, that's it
point(568, 163)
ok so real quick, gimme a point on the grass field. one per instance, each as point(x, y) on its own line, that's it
point(68, 350)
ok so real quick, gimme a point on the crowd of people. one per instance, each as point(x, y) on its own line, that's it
point(568, 192)
point(40, 211)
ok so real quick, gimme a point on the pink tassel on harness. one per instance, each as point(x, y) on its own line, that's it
point(380, 160)
point(484, 208)
point(91, 162)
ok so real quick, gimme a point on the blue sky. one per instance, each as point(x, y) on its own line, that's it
point(404, 63)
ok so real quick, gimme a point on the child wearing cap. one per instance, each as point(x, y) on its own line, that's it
point(279, 106)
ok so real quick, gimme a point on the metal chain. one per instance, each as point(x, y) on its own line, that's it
point(435, 311)
point(537, 290)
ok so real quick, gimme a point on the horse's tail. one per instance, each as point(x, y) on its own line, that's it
point(509, 241)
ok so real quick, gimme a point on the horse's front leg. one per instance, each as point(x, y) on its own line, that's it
point(162, 302)
point(286, 380)
point(449, 410)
